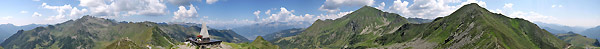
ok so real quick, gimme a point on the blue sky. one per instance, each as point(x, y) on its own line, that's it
point(231, 13)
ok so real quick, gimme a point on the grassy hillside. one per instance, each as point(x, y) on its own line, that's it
point(578, 41)
point(357, 29)
point(6, 30)
point(258, 43)
point(97, 33)
point(261, 43)
point(469, 27)
point(124, 44)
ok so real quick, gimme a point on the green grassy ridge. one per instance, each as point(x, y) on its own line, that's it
point(258, 43)
point(96, 33)
point(491, 27)
point(346, 31)
point(124, 44)
point(261, 43)
point(578, 40)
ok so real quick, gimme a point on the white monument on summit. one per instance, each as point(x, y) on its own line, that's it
point(204, 31)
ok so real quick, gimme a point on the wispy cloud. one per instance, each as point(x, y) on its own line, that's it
point(333, 6)
point(429, 8)
point(508, 5)
point(557, 6)
point(257, 13)
point(125, 7)
point(211, 1)
point(381, 5)
point(36, 14)
point(23, 12)
point(6, 18)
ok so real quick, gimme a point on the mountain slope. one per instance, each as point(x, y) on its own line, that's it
point(578, 41)
point(470, 27)
point(263, 44)
point(123, 44)
point(358, 28)
point(97, 33)
point(6, 30)
point(259, 43)
point(592, 32)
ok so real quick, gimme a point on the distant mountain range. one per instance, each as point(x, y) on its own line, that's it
point(273, 37)
point(592, 32)
point(470, 27)
point(554, 31)
point(90, 32)
point(418, 20)
point(579, 41)
point(261, 29)
point(6, 30)
point(559, 28)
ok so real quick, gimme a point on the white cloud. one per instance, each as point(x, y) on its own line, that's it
point(182, 2)
point(557, 6)
point(36, 14)
point(184, 13)
point(76, 12)
point(257, 13)
point(62, 11)
point(532, 16)
point(211, 1)
point(334, 5)
point(23, 12)
point(305, 17)
point(508, 5)
point(381, 5)
point(400, 7)
point(285, 15)
point(333, 16)
point(429, 8)
point(35, 0)
point(6, 18)
point(268, 11)
point(125, 7)
point(497, 11)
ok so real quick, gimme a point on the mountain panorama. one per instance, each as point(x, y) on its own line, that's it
point(469, 27)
